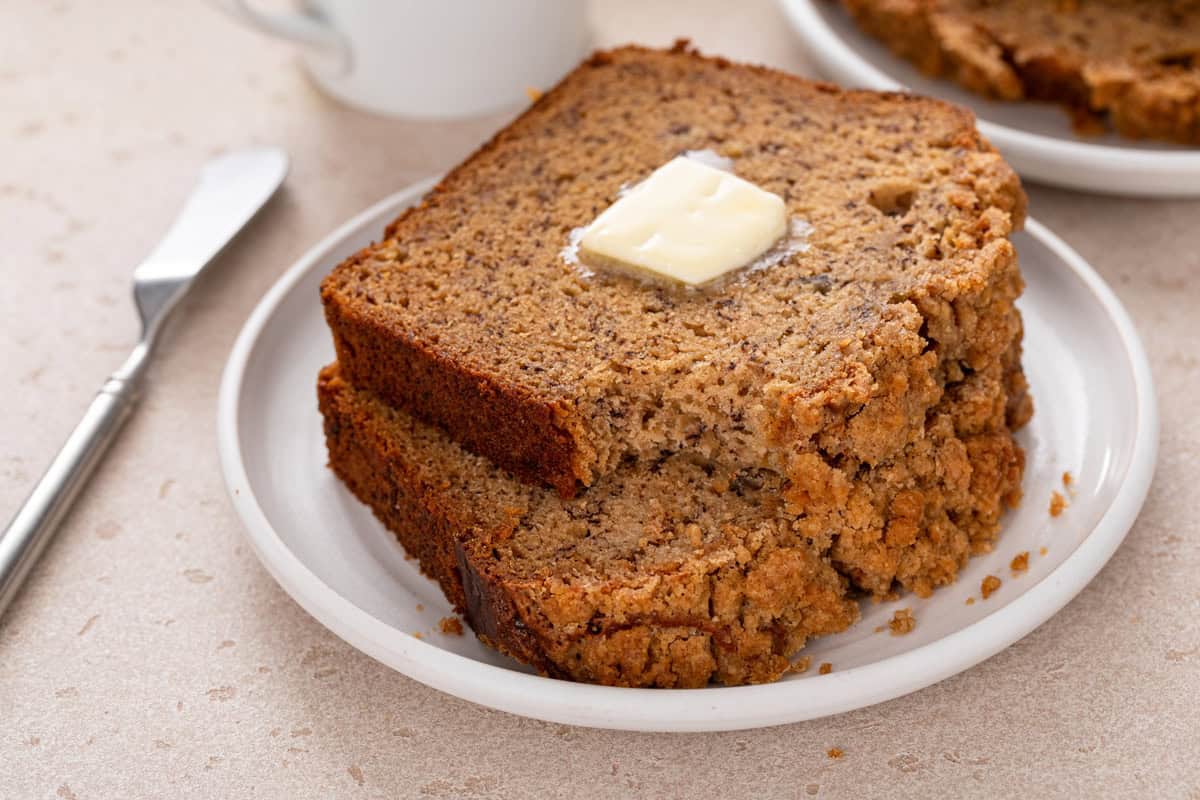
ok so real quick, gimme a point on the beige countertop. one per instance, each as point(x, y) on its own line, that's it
point(151, 655)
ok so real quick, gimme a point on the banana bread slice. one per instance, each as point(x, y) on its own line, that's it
point(655, 577)
point(468, 315)
point(665, 573)
point(1133, 62)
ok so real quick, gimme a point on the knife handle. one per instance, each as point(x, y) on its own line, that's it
point(35, 522)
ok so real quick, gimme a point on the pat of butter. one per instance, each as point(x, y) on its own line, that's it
point(687, 222)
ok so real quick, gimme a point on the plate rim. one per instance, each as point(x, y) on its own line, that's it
point(833, 54)
point(678, 710)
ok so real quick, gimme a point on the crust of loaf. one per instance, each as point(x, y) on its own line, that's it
point(485, 413)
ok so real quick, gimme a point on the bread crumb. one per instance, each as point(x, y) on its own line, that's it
point(418, 635)
point(733, 149)
point(1067, 479)
point(533, 94)
point(970, 601)
point(1057, 503)
point(880, 628)
point(1043, 551)
point(1020, 562)
point(990, 584)
point(902, 622)
point(1086, 122)
point(836, 752)
point(420, 608)
point(451, 625)
point(825, 668)
point(801, 664)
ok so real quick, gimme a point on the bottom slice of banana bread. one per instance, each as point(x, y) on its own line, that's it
point(665, 573)
point(654, 577)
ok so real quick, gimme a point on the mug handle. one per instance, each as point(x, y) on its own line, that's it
point(304, 29)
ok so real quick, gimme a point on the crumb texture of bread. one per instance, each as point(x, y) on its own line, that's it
point(468, 316)
point(1134, 63)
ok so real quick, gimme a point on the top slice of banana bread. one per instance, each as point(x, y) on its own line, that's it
point(468, 315)
point(1136, 62)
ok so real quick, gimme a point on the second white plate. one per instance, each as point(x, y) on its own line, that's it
point(1036, 138)
point(1095, 416)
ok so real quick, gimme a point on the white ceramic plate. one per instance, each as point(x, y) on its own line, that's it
point(1096, 417)
point(1036, 138)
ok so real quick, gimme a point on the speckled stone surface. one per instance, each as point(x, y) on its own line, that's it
point(151, 656)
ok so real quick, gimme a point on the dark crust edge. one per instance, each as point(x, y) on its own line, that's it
point(506, 423)
point(502, 422)
point(494, 617)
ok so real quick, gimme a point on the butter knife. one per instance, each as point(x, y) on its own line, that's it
point(231, 190)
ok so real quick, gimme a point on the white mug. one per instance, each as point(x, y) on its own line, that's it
point(431, 58)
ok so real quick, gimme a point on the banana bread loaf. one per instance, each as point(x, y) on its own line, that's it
point(467, 314)
point(1133, 63)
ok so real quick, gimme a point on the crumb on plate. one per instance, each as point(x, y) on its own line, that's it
point(418, 635)
point(1086, 122)
point(451, 625)
point(836, 752)
point(1057, 503)
point(1067, 479)
point(801, 664)
point(902, 622)
point(533, 94)
point(990, 584)
point(970, 601)
point(1043, 551)
point(1020, 562)
point(825, 668)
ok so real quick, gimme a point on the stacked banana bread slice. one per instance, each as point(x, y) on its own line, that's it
point(632, 483)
